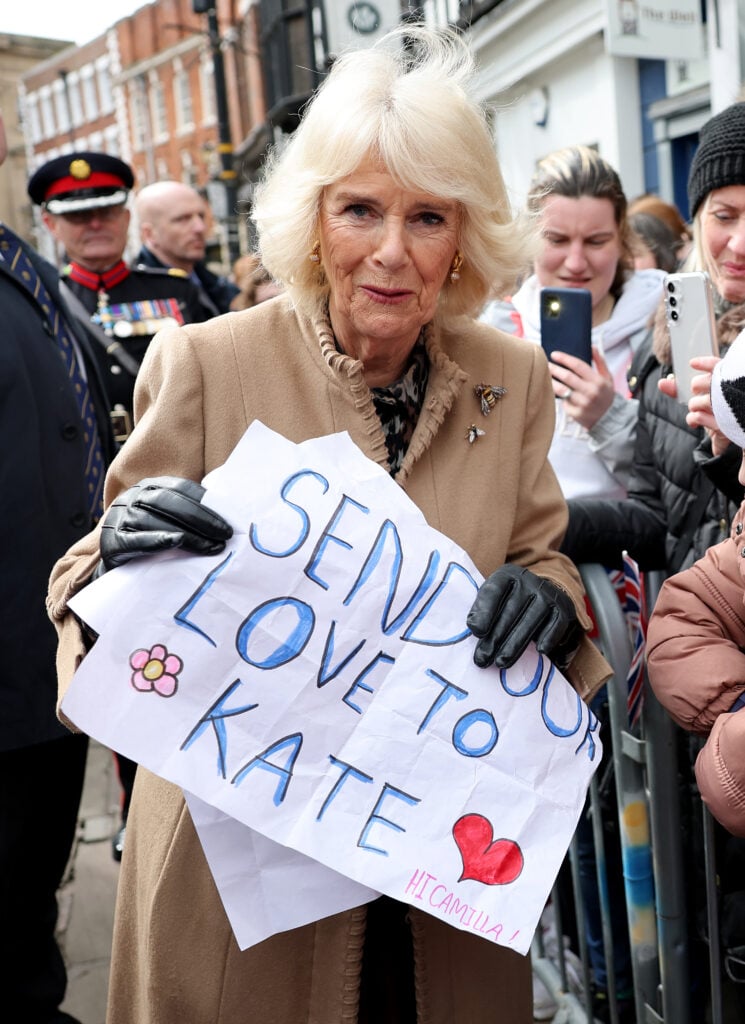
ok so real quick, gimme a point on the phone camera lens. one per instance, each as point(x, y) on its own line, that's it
point(670, 286)
point(674, 315)
point(673, 301)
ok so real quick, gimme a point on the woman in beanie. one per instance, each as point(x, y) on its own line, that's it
point(684, 487)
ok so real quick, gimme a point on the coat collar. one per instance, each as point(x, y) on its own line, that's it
point(446, 380)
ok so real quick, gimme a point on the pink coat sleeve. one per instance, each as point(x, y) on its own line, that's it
point(696, 640)
point(696, 665)
point(720, 771)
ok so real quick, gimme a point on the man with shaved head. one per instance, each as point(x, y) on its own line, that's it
point(173, 229)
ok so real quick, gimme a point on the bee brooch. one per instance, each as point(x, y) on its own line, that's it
point(473, 433)
point(487, 395)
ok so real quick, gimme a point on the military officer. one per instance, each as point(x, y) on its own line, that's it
point(83, 198)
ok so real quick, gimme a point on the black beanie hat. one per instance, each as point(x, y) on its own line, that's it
point(720, 158)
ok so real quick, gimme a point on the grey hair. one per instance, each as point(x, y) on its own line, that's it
point(405, 102)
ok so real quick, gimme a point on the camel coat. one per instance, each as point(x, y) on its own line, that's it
point(175, 960)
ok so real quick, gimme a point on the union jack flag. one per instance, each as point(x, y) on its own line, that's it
point(628, 586)
point(636, 615)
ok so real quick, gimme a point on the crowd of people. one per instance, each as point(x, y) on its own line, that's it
point(402, 304)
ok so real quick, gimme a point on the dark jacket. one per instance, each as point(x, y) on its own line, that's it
point(678, 489)
point(43, 506)
point(140, 287)
point(215, 292)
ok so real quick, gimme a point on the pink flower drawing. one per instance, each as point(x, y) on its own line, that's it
point(155, 669)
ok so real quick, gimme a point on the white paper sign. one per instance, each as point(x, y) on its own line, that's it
point(287, 889)
point(316, 682)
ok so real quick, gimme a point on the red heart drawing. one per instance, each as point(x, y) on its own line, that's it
point(485, 859)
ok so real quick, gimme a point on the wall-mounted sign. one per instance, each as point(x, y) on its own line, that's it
point(655, 29)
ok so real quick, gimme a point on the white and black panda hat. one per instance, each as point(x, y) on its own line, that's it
point(728, 392)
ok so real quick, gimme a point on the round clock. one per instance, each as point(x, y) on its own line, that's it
point(364, 17)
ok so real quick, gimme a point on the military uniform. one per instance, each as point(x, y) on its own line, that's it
point(130, 305)
point(123, 307)
point(215, 292)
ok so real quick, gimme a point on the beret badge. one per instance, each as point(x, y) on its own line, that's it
point(80, 169)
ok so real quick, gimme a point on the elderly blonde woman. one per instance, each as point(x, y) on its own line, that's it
point(386, 220)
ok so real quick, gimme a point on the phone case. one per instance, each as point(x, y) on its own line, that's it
point(566, 322)
point(689, 306)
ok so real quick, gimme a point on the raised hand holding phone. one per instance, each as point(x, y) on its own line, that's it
point(566, 322)
point(689, 307)
point(581, 378)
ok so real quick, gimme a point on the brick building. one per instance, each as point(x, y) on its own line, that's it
point(17, 55)
point(145, 90)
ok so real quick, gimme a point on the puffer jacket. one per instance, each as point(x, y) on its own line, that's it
point(696, 664)
point(673, 466)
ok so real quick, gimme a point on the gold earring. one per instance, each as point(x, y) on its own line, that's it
point(315, 253)
point(455, 267)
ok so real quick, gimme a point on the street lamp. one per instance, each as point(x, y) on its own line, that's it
point(227, 175)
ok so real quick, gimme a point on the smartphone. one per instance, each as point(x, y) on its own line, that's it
point(689, 306)
point(566, 322)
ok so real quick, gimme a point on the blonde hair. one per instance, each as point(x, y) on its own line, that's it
point(404, 102)
point(700, 257)
point(577, 171)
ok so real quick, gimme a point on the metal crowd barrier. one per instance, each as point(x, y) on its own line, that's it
point(647, 788)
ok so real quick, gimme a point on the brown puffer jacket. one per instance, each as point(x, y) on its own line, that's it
point(696, 663)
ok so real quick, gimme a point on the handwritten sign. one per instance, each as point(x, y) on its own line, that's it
point(285, 889)
point(315, 682)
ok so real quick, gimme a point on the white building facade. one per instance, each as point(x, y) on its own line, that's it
point(636, 80)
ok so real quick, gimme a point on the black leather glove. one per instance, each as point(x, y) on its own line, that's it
point(513, 607)
point(160, 513)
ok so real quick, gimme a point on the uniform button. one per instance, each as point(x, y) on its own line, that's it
point(738, 528)
point(69, 431)
point(633, 381)
point(79, 519)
